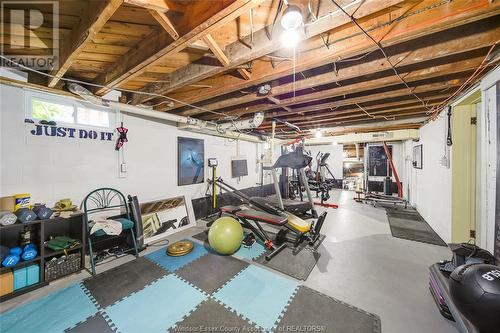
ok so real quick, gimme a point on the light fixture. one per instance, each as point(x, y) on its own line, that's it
point(334, 143)
point(318, 134)
point(264, 89)
point(292, 18)
point(290, 38)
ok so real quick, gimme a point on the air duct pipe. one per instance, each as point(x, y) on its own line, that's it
point(135, 110)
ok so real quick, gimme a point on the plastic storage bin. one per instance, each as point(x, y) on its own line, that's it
point(6, 283)
point(20, 276)
point(32, 274)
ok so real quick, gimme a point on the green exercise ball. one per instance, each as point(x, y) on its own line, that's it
point(225, 235)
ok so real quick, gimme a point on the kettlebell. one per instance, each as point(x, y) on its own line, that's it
point(29, 252)
point(26, 215)
point(42, 211)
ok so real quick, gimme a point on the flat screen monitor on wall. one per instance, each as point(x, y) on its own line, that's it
point(239, 168)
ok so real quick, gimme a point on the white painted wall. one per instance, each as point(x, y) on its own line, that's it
point(334, 161)
point(430, 187)
point(52, 168)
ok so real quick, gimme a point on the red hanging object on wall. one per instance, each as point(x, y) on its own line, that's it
point(122, 137)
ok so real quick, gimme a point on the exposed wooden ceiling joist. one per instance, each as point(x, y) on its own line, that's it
point(96, 14)
point(204, 17)
point(159, 5)
point(239, 52)
point(440, 46)
point(438, 17)
point(165, 22)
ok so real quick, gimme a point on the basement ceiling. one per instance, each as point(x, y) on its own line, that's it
point(391, 64)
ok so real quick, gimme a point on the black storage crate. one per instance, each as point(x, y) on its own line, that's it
point(62, 266)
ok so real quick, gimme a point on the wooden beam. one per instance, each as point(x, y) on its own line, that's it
point(239, 52)
point(439, 47)
point(216, 50)
point(244, 73)
point(165, 22)
point(431, 19)
point(159, 5)
point(92, 20)
point(201, 18)
point(413, 78)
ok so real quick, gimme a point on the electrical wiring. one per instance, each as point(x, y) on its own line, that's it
point(484, 64)
point(381, 48)
point(107, 87)
point(373, 116)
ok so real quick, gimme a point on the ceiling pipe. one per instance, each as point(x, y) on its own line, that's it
point(238, 125)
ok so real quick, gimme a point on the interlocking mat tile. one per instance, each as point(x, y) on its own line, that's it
point(119, 282)
point(50, 314)
point(295, 264)
point(155, 308)
point(257, 294)
point(211, 316)
point(321, 313)
point(211, 271)
point(96, 324)
point(172, 264)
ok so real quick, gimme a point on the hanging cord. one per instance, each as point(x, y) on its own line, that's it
point(16, 64)
point(381, 48)
point(449, 141)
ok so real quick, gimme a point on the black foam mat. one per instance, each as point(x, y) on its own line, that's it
point(321, 313)
point(211, 316)
point(411, 226)
point(113, 285)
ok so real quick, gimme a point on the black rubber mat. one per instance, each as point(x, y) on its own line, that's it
point(119, 282)
point(211, 271)
point(297, 265)
point(322, 313)
point(411, 226)
point(202, 236)
point(96, 324)
point(210, 316)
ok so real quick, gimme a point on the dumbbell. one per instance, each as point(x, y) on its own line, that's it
point(13, 258)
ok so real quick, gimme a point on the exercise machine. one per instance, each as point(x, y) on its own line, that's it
point(297, 161)
point(292, 229)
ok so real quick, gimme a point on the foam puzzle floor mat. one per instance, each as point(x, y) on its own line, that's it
point(297, 263)
point(204, 291)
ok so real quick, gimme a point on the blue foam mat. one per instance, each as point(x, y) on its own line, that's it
point(172, 264)
point(53, 313)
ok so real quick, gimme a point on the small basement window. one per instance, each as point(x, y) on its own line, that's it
point(67, 111)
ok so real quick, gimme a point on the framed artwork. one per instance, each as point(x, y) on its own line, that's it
point(163, 217)
point(378, 165)
point(190, 161)
point(417, 157)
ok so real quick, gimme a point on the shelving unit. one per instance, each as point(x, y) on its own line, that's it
point(43, 230)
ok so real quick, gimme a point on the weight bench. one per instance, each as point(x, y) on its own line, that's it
point(247, 216)
point(251, 219)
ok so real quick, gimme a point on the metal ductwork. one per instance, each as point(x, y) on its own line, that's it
point(140, 111)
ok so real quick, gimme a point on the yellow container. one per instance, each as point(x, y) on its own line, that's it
point(22, 201)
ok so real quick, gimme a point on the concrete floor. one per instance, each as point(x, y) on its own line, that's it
point(361, 264)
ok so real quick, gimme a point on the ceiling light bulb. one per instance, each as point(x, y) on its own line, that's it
point(290, 38)
point(292, 18)
point(334, 143)
point(318, 134)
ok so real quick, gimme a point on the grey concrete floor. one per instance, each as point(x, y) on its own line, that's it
point(361, 264)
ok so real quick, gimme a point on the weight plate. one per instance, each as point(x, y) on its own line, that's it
point(179, 248)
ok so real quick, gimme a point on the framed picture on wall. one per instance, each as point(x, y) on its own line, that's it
point(417, 157)
point(163, 217)
point(190, 161)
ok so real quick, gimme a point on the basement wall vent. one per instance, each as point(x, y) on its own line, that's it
point(380, 135)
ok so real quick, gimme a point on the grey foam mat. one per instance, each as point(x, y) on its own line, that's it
point(113, 285)
point(211, 271)
point(213, 317)
point(96, 324)
point(297, 265)
point(410, 225)
point(310, 308)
